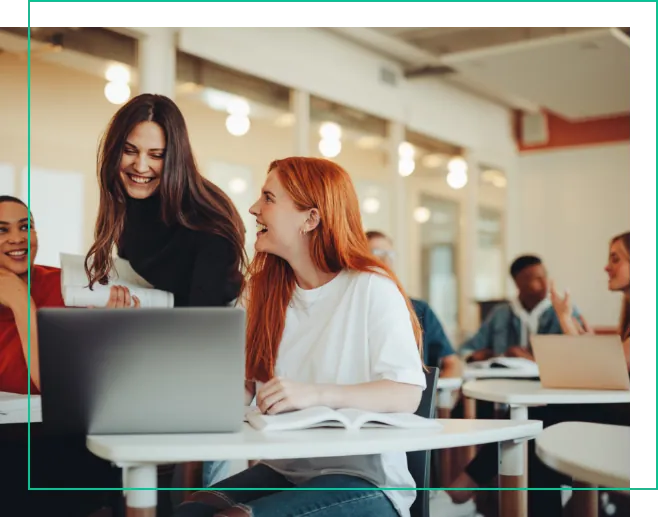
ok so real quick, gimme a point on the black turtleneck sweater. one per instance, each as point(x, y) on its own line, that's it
point(194, 266)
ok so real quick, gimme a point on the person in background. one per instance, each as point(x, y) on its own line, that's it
point(508, 328)
point(328, 324)
point(436, 346)
point(482, 469)
point(178, 230)
point(618, 269)
point(56, 462)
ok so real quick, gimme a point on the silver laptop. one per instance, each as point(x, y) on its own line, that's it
point(144, 371)
point(580, 362)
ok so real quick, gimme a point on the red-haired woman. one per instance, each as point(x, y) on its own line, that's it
point(328, 324)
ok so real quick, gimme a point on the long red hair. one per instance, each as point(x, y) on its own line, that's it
point(337, 243)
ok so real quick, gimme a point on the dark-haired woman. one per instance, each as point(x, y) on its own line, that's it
point(178, 231)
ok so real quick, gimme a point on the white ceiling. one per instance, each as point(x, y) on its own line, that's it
point(578, 76)
point(576, 72)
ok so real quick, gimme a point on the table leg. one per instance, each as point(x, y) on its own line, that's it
point(584, 503)
point(469, 407)
point(445, 407)
point(521, 413)
point(469, 412)
point(141, 503)
point(511, 470)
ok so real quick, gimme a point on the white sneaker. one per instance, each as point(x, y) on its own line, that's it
point(442, 506)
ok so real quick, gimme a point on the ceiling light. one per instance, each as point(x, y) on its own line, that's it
point(371, 205)
point(237, 125)
point(117, 93)
point(406, 166)
point(237, 185)
point(406, 150)
point(330, 148)
point(457, 179)
point(117, 74)
point(330, 131)
point(422, 214)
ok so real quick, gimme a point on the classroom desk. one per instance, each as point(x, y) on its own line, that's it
point(139, 455)
point(13, 408)
point(470, 408)
point(520, 394)
point(471, 373)
point(592, 454)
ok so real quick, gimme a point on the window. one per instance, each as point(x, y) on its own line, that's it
point(238, 183)
point(489, 256)
point(57, 203)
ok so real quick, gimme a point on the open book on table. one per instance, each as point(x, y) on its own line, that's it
point(516, 363)
point(351, 419)
point(76, 292)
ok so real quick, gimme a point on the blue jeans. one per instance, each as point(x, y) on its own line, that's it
point(359, 501)
point(214, 472)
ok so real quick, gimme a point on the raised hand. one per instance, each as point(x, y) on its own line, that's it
point(562, 305)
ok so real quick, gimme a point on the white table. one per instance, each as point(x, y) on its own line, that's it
point(471, 373)
point(14, 408)
point(592, 454)
point(139, 455)
point(520, 394)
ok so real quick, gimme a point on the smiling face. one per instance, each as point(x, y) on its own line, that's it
point(280, 223)
point(142, 160)
point(618, 267)
point(532, 282)
point(14, 238)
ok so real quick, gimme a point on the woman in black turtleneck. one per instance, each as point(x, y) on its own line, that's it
point(178, 231)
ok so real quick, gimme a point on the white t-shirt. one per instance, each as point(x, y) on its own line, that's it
point(352, 330)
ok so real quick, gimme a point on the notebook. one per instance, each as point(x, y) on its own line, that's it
point(351, 419)
point(515, 363)
point(76, 293)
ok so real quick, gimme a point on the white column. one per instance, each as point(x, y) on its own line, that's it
point(300, 102)
point(468, 249)
point(513, 225)
point(157, 61)
point(396, 134)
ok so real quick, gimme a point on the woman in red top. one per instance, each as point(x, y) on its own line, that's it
point(45, 292)
point(56, 462)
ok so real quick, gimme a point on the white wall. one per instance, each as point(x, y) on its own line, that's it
point(329, 66)
point(572, 202)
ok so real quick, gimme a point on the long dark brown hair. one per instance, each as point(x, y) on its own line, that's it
point(338, 242)
point(625, 318)
point(187, 198)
